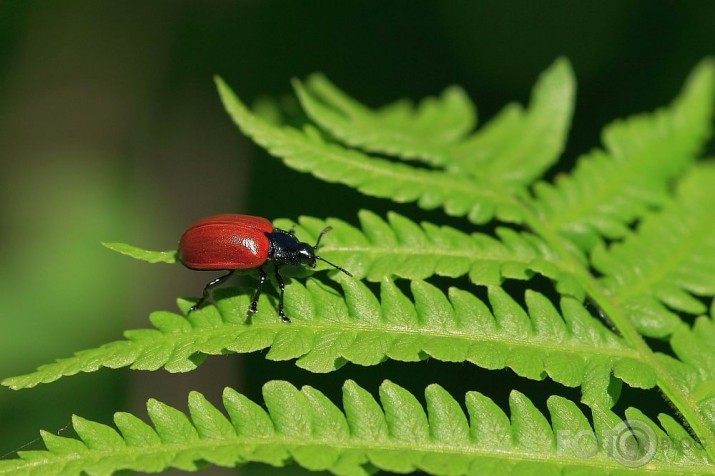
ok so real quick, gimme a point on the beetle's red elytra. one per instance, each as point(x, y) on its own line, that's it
point(231, 242)
point(225, 242)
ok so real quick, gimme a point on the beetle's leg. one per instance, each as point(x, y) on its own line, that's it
point(261, 280)
point(320, 236)
point(209, 287)
point(281, 285)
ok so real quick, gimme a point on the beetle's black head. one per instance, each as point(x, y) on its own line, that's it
point(286, 249)
point(306, 254)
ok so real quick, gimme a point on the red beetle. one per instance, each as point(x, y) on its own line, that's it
point(231, 242)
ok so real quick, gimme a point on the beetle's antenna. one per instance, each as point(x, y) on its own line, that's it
point(317, 243)
point(335, 266)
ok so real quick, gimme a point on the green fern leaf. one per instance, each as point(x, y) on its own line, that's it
point(609, 189)
point(671, 256)
point(328, 330)
point(398, 129)
point(697, 365)
point(516, 147)
point(97, 436)
point(308, 152)
point(400, 247)
point(513, 149)
point(304, 427)
point(169, 256)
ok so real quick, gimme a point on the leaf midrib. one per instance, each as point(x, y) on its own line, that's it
point(406, 173)
point(203, 335)
point(287, 443)
point(434, 252)
point(586, 348)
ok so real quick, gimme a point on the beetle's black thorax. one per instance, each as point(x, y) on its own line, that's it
point(286, 249)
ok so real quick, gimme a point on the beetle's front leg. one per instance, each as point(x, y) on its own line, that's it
point(282, 286)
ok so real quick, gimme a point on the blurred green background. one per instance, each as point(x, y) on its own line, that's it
point(111, 129)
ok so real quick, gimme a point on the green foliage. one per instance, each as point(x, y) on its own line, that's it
point(396, 434)
point(308, 151)
point(626, 238)
point(512, 150)
point(612, 188)
point(144, 255)
point(330, 329)
point(679, 243)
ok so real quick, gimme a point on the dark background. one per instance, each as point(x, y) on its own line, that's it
point(111, 129)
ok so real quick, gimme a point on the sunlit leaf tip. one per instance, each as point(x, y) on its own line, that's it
point(169, 256)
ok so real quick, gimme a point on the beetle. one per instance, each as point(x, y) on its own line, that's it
point(231, 242)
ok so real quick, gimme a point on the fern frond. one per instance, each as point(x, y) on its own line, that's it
point(328, 330)
point(304, 427)
point(671, 256)
point(611, 188)
point(307, 151)
point(400, 247)
point(513, 149)
point(397, 129)
point(696, 368)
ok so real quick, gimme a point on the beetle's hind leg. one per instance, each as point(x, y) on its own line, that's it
point(207, 289)
point(254, 302)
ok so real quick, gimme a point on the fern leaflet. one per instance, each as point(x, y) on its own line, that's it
point(329, 330)
point(309, 152)
point(609, 189)
point(671, 256)
point(510, 153)
point(395, 435)
point(169, 256)
point(397, 129)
